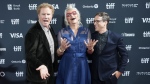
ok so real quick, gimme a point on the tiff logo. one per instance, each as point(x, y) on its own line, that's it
point(144, 60)
point(1, 35)
point(2, 74)
point(32, 6)
point(73, 4)
point(56, 6)
point(9, 6)
point(128, 47)
point(146, 34)
point(129, 20)
point(2, 61)
point(126, 73)
point(53, 21)
point(14, 21)
point(17, 48)
point(147, 5)
point(16, 35)
point(110, 5)
point(19, 74)
point(89, 20)
point(146, 20)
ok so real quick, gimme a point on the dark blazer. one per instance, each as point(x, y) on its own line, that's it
point(113, 56)
point(37, 52)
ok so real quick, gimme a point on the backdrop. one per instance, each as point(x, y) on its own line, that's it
point(130, 18)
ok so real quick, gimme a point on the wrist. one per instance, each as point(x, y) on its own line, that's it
point(61, 50)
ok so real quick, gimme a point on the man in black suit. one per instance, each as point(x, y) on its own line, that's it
point(40, 48)
point(109, 55)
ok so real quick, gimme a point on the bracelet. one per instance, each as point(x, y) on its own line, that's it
point(60, 50)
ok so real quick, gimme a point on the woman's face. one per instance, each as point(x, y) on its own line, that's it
point(72, 17)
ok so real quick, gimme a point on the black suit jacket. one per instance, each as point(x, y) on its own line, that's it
point(113, 56)
point(38, 53)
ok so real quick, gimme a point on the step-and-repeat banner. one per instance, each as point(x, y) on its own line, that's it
point(130, 18)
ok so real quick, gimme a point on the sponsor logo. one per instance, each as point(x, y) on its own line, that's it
point(32, 6)
point(2, 49)
point(129, 20)
point(146, 34)
point(1, 35)
point(17, 48)
point(128, 47)
point(19, 73)
point(18, 61)
point(147, 5)
point(90, 6)
point(126, 73)
point(73, 4)
point(2, 74)
point(56, 6)
point(15, 21)
point(128, 34)
point(129, 5)
point(112, 20)
point(89, 20)
point(144, 48)
point(16, 35)
point(146, 20)
point(2, 61)
point(13, 7)
point(110, 5)
point(2, 21)
point(144, 60)
point(31, 21)
point(143, 73)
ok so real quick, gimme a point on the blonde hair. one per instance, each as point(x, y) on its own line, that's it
point(44, 5)
point(69, 7)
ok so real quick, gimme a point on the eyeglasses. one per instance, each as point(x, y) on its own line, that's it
point(97, 21)
point(69, 14)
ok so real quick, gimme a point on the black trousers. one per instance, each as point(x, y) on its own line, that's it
point(112, 80)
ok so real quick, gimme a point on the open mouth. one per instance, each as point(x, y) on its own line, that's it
point(73, 18)
point(45, 20)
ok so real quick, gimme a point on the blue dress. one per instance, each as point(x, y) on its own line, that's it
point(73, 66)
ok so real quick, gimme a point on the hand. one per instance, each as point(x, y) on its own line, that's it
point(64, 44)
point(43, 71)
point(117, 74)
point(90, 44)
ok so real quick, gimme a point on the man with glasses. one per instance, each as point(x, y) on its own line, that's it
point(109, 55)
